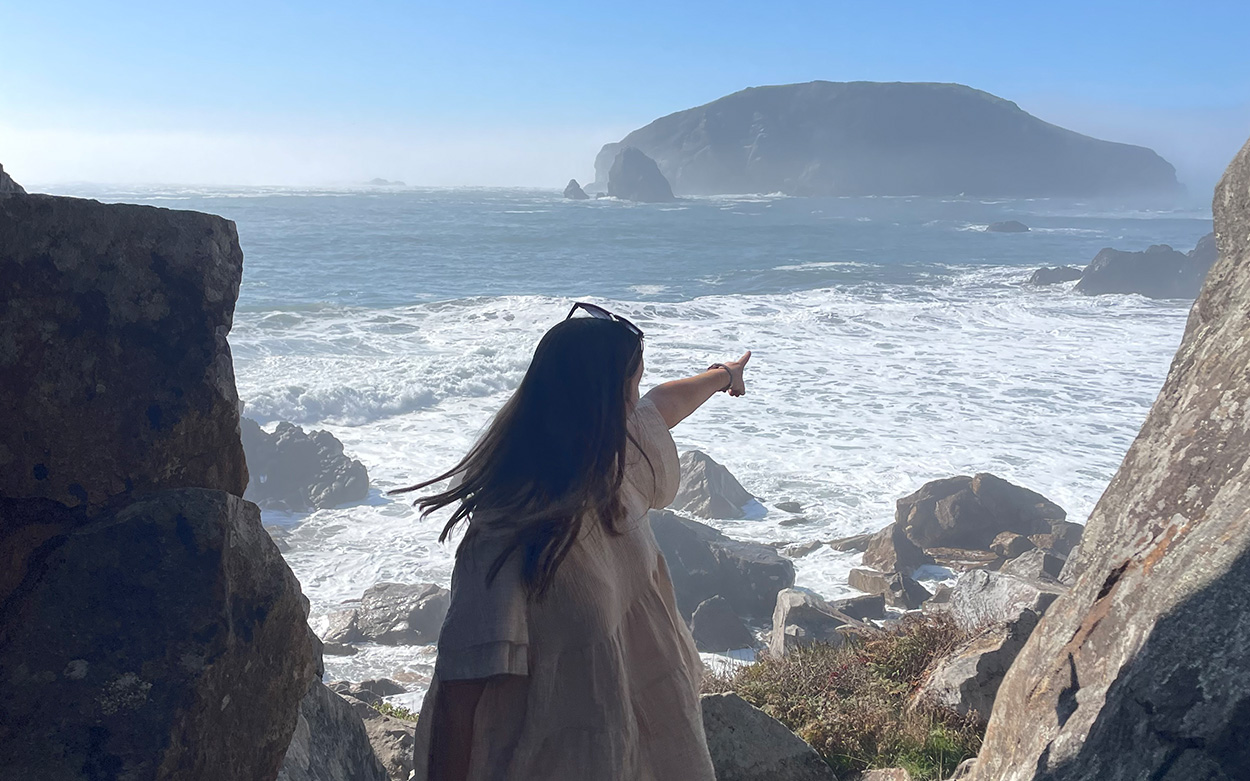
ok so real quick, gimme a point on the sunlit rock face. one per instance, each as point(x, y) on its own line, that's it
point(1141, 670)
point(869, 138)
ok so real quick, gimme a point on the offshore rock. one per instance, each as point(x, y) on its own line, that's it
point(393, 614)
point(8, 186)
point(1158, 272)
point(115, 375)
point(708, 490)
point(635, 177)
point(330, 742)
point(1007, 226)
point(1141, 670)
point(164, 638)
point(864, 138)
point(574, 191)
point(704, 563)
point(747, 744)
point(1055, 275)
point(294, 470)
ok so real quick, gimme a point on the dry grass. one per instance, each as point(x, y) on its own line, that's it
point(852, 703)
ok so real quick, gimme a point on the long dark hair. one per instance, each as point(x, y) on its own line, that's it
point(554, 456)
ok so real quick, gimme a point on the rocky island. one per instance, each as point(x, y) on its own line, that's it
point(872, 138)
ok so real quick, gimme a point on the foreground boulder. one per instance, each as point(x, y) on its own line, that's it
point(115, 375)
point(330, 742)
point(1007, 226)
point(967, 679)
point(704, 563)
point(802, 618)
point(1054, 275)
point(981, 598)
point(8, 186)
point(393, 614)
point(162, 639)
point(574, 191)
point(1142, 670)
point(294, 470)
point(747, 744)
point(635, 177)
point(898, 590)
point(708, 490)
point(1157, 272)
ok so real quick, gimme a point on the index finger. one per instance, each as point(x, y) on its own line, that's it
point(746, 356)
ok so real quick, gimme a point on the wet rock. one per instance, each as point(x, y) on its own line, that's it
point(393, 614)
point(330, 742)
point(1007, 226)
point(897, 589)
point(802, 618)
point(967, 679)
point(800, 549)
point(789, 507)
point(339, 649)
point(716, 627)
point(574, 191)
point(1157, 272)
point(857, 543)
point(163, 638)
point(1036, 564)
point(135, 304)
point(890, 550)
point(704, 563)
point(708, 490)
point(981, 598)
point(969, 512)
point(294, 470)
point(1141, 670)
point(1010, 545)
point(636, 177)
point(747, 744)
point(1055, 275)
point(8, 186)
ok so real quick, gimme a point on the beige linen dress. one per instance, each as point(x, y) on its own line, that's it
point(597, 681)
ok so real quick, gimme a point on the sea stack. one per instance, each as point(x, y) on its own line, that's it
point(574, 191)
point(867, 138)
point(635, 177)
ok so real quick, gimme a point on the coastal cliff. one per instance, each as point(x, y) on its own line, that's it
point(871, 138)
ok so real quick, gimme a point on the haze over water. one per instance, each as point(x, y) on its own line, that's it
point(894, 340)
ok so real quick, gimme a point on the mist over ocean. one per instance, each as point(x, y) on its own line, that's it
point(895, 342)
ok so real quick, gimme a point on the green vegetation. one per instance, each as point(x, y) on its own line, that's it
point(852, 703)
point(394, 711)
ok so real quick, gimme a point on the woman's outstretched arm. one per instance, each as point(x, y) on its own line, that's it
point(675, 400)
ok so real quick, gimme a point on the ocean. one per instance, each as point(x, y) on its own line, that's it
point(895, 342)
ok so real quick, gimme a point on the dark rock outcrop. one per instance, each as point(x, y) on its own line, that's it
point(896, 588)
point(889, 550)
point(969, 512)
point(330, 742)
point(635, 177)
point(1157, 272)
point(865, 138)
point(1007, 226)
point(704, 563)
point(393, 614)
point(574, 191)
point(115, 375)
point(1141, 669)
point(862, 608)
point(164, 638)
point(708, 490)
point(716, 627)
point(967, 679)
point(294, 470)
point(747, 744)
point(8, 186)
point(1055, 275)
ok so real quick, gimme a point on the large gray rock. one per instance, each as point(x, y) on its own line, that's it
point(1054, 275)
point(708, 490)
point(163, 638)
point(635, 177)
point(981, 598)
point(1036, 564)
point(115, 375)
point(969, 512)
point(1157, 272)
point(1142, 670)
point(802, 618)
point(716, 627)
point(747, 744)
point(393, 614)
point(967, 679)
point(890, 550)
point(294, 470)
point(574, 191)
point(8, 186)
point(330, 742)
point(704, 563)
point(865, 138)
point(898, 590)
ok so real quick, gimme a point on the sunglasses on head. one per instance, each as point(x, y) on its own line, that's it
point(600, 313)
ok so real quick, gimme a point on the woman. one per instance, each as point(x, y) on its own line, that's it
point(563, 656)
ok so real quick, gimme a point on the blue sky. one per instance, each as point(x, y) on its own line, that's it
point(493, 93)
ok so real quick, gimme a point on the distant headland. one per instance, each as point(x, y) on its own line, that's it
point(875, 138)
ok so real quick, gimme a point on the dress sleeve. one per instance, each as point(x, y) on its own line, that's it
point(658, 473)
point(486, 632)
